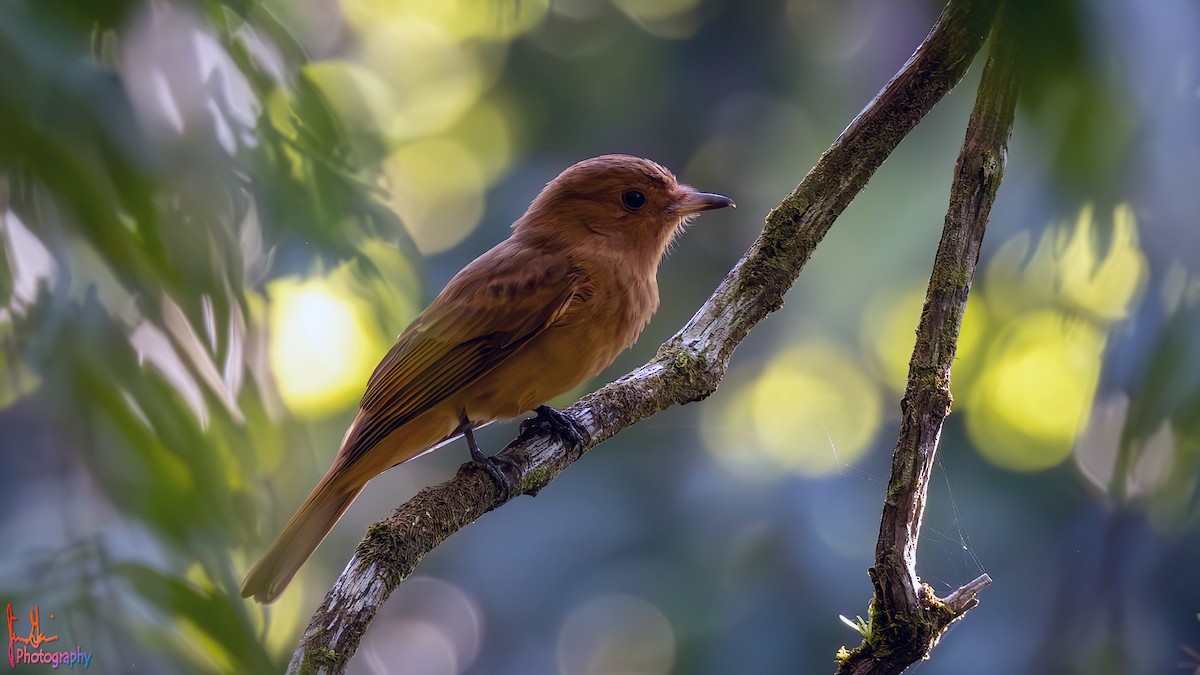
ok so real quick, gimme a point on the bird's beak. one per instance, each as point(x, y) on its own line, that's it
point(692, 201)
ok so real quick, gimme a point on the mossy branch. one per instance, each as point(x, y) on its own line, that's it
point(906, 617)
point(687, 368)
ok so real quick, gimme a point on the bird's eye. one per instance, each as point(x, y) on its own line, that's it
point(633, 200)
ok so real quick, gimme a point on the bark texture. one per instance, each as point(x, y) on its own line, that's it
point(906, 618)
point(687, 367)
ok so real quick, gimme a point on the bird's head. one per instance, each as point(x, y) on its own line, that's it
point(629, 205)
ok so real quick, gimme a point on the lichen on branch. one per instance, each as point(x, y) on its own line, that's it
point(687, 368)
point(906, 616)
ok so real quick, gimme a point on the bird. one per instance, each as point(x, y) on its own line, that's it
point(541, 312)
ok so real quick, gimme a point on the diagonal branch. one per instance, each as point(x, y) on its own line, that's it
point(687, 368)
point(906, 619)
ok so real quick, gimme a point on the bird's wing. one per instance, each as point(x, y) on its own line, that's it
point(485, 314)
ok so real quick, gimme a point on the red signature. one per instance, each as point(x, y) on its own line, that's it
point(35, 637)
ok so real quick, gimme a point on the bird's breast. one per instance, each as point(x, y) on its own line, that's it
point(600, 323)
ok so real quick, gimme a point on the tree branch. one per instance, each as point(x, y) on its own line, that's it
point(906, 619)
point(687, 368)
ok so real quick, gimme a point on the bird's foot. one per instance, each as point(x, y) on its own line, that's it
point(491, 466)
point(571, 433)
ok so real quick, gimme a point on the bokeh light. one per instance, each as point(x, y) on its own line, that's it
point(1103, 286)
point(437, 190)
point(1053, 309)
point(486, 132)
point(616, 635)
point(1098, 453)
point(359, 95)
point(431, 626)
point(183, 81)
point(323, 346)
point(435, 79)
point(812, 411)
point(889, 331)
point(463, 19)
point(1030, 401)
point(420, 645)
point(1069, 269)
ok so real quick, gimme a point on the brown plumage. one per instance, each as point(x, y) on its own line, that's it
point(532, 318)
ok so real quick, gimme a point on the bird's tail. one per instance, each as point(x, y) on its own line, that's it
point(300, 537)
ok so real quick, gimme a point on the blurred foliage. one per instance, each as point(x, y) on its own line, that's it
point(214, 214)
point(1028, 359)
point(1089, 130)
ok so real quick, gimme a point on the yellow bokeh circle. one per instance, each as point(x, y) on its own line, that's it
point(889, 331)
point(437, 189)
point(322, 345)
point(1030, 400)
point(435, 78)
point(812, 411)
point(462, 19)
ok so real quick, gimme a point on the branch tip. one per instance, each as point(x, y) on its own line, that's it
point(965, 597)
point(753, 289)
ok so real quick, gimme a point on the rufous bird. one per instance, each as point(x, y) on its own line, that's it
point(538, 314)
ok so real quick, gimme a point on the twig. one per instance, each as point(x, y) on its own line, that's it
point(906, 618)
point(687, 368)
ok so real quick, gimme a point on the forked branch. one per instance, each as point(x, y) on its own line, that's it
point(906, 618)
point(687, 368)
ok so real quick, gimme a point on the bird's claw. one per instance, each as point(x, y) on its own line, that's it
point(570, 432)
point(491, 466)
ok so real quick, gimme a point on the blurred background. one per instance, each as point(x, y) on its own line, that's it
point(216, 214)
